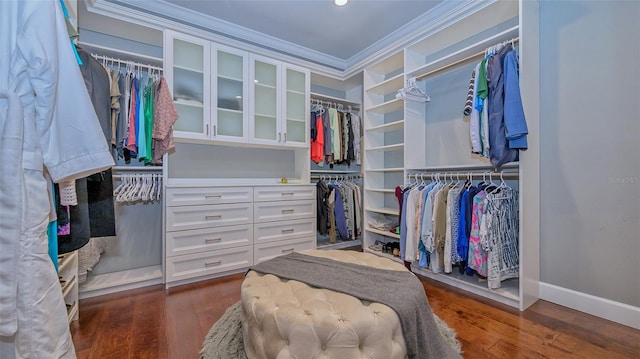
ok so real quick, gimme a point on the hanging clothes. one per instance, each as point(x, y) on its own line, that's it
point(99, 199)
point(497, 125)
point(165, 116)
point(47, 121)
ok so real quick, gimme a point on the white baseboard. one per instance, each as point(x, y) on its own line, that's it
point(600, 307)
point(102, 284)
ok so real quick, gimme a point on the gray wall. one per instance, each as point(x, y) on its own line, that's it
point(590, 147)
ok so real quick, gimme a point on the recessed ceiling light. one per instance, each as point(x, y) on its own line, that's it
point(340, 2)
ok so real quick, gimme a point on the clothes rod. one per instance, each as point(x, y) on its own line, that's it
point(335, 104)
point(335, 172)
point(457, 62)
point(463, 175)
point(126, 62)
point(338, 177)
point(121, 176)
point(136, 168)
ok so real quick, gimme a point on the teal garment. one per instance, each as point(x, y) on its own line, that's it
point(52, 233)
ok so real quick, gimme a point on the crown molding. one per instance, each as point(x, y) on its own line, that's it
point(212, 25)
point(440, 17)
point(155, 15)
point(150, 18)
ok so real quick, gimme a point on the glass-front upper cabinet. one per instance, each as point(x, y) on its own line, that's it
point(265, 101)
point(295, 106)
point(230, 116)
point(187, 60)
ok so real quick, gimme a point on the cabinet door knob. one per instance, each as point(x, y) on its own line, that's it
point(213, 240)
point(285, 137)
point(213, 196)
point(206, 129)
point(215, 130)
point(215, 216)
point(279, 136)
point(212, 264)
point(289, 230)
point(287, 211)
point(287, 193)
point(287, 250)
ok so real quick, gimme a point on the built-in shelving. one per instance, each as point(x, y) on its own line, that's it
point(384, 233)
point(383, 210)
point(387, 107)
point(68, 277)
point(389, 85)
point(388, 127)
point(395, 147)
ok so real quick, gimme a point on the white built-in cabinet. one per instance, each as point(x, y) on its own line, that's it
point(188, 72)
point(209, 86)
point(279, 103)
point(226, 95)
point(404, 138)
point(243, 128)
point(217, 230)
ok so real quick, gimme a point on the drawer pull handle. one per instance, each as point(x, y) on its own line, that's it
point(287, 211)
point(213, 240)
point(287, 250)
point(212, 264)
point(289, 230)
point(213, 196)
point(217, 216)
point(287, 193)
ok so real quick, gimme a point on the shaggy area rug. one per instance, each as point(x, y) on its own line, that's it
point(224, 340)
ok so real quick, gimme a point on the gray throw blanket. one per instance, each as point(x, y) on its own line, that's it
point(402, 291)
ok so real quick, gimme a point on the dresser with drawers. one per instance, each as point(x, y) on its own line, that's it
point(213, 231)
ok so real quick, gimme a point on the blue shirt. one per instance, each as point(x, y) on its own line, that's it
point(516, 125)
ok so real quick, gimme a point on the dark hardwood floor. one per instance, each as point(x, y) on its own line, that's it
point(155, 323)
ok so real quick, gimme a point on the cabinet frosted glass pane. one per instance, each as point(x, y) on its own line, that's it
point(229, 94)
point(189, 119)
point(295, 131)
point(265, 101)
point(230, 65)
point(188, 85)
point(295, 81)
point(296, 106)
point(229, 123)
point(265, 128)
point(265, 74)
point(188, 55)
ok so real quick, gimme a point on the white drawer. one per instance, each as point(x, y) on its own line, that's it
point(213, 215)
point(208, 195)
point(283, 193)
point(283, 210)
point(200, 240)
point(265, 251)
point(211, 262)
point(280, 230)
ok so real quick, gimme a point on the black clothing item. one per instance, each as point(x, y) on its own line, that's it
point(79, 216)
point(322, 195)
point(351, 156)
point(94, 209)
point(101, 208)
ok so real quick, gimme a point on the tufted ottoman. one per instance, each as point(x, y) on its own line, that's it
point(290, 319)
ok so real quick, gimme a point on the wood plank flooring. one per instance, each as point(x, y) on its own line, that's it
point(155, 323)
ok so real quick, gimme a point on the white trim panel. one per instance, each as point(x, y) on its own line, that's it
point(600, 307)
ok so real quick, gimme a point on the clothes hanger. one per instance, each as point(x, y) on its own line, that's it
point(414, 93)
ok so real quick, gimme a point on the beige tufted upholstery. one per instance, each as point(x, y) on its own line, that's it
point(289, 319)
